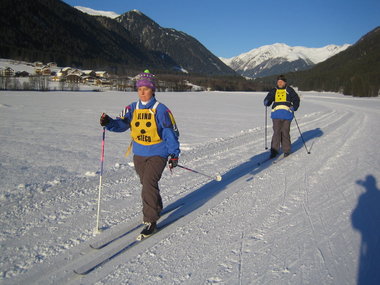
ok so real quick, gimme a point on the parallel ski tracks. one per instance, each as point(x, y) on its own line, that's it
point(249, 143)
point(238, 147)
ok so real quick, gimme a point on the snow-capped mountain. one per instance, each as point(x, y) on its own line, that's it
point(280, 58)
point(93, 12)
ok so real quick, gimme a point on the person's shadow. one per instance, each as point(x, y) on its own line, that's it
point(196, 199)
point(366, 219)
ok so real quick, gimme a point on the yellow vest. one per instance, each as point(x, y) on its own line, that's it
point(144, 126)
point(280, 95)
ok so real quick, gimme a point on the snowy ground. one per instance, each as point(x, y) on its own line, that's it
point(309, 219)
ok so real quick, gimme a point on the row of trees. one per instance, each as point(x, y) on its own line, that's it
point(165, 82)
point(34, 83)
point(348, 80)
point(360, 84)
point(215, 83)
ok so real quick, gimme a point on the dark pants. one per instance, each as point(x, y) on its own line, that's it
point(149, 169)
point(281, 135)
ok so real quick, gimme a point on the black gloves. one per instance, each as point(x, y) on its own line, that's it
point(173, 161)
point(104, 120)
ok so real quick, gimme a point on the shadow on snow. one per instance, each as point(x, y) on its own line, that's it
point(365, 219)
point(184, 206)
point(199, 197)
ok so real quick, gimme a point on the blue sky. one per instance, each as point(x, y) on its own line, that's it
point(231, 27)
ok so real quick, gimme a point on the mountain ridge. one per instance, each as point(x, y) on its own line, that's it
point(53, 31)
point(191, 55)
point(259, 62)
point(280, 58)
point(354, 71)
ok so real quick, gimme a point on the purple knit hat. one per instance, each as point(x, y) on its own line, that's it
point(146, 79)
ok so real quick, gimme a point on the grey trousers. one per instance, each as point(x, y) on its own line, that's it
point(149, 169)
point(281, 135)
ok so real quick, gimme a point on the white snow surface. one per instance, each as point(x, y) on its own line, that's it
point(255, 57)
point(17, 65)
point(308, 219)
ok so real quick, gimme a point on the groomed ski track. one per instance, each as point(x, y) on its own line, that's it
point(283, 223)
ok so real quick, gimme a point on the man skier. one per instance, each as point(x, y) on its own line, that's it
point(285, 101)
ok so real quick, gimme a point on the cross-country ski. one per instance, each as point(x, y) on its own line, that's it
point(120, 245)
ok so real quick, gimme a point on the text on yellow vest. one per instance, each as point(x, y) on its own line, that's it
point(144, 126)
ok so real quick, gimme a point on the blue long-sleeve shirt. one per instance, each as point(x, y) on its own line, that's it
point(165, 129)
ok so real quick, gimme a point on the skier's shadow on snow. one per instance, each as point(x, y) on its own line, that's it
point(199, 197)
point(308, 136)
point(366, 219)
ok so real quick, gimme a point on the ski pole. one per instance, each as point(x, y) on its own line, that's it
point(308, 152)
point(266, 124)
point(217, 178)
point(97, 230)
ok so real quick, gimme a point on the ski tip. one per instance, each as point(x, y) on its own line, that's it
point(141, 237)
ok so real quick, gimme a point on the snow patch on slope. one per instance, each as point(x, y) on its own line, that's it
point(93, 12)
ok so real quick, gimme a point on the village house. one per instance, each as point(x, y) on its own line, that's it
point(90, 73)
point(46, 71)
point(51, 64)
point(102, 74)
point(103, 82)
point(64, 71)
point(38, 64)
point(7, 72)
point(75, 78)
point(88, 76)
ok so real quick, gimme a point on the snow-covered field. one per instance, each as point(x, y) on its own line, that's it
point(309, 219)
